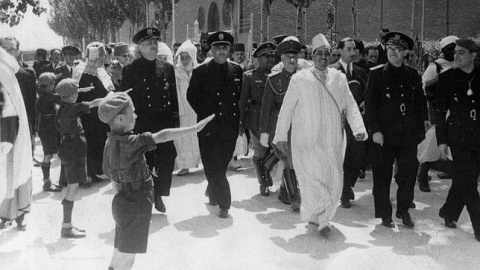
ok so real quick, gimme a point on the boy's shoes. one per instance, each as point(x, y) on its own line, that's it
point(325, 231)
point(72, 232)
point(5, 224)
point(412, 205)
point(264, 190)
point(295, 206)
point(49, 187)
point(21, 223)
point(223, 213)
point(159, 205)
point(406, 219)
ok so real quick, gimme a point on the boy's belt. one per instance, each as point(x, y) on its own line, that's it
point(135, 186)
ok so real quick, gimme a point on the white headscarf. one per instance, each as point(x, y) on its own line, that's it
point(22, 147)
point(189, 48)
point(163, 49)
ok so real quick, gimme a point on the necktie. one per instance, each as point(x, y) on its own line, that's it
point(349, 72)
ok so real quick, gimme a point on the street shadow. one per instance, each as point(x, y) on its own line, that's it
point(318, 247)
point(400, 240)
point(62, 245)
point(206, 226)
point(280, 220)
point(158, 222)
point(107, 237)
point(260, 203)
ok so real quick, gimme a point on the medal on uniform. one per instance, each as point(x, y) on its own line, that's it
point(469, 92)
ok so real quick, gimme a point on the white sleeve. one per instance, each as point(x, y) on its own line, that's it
point(429, 74)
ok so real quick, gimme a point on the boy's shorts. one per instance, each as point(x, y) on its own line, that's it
point(132, 213)
point(50, 140)
point(72, 153)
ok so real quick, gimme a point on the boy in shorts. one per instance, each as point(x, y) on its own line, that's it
point(72, 149)
point(47, 131)
point(124, 162)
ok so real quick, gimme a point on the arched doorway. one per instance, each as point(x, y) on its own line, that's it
point(213, 18)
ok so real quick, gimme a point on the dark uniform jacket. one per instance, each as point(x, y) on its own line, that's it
point(215, 89)
point(253, 87)
point(462, 128)
point(154, 94)
point(275, 90)
point(395, 105)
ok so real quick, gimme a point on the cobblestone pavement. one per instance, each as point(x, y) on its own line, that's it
point(261, 232)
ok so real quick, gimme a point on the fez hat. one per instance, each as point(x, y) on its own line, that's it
point(264, 48)
point(319, 41)
point(146, 33)
point(70, 50)
point(289, 45)
point(278, 39)
point(220, 37)
point(239, 47)
point(399, 39)
point(468, 44)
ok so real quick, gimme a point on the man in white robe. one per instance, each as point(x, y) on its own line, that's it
point(315, 106)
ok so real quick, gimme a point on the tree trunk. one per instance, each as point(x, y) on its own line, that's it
point(299, 22)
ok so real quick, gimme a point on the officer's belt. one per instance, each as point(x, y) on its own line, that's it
point(134, 186)
point(71, 136)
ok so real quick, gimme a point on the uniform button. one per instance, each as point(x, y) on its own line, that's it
point(220, 114)
point(473, 101)
point(218, 94)
point(234, 104)
point(234, 114)
point(149, 105)
point(148, 88)
point(402, 95)
point(165, 96)
point(401, 86)
point(403, 114)
point(148, 96)
point(144, 80)
point(234, 94)
point(219, 103)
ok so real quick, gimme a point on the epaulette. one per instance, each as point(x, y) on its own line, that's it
point(274, 72)
point(233, 62)
point(377, 67)
point(248, 73)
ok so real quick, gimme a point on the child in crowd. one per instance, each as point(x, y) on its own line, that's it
point(47, 130)
point(124, 162)
point(72, 149)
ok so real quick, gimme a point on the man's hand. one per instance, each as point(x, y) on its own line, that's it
point(283, 147)
point(5, 147)
point(85, 89)
point(443, 151)
point(200, 125)
point(378, 138)
point(361, 137)
point(264, 139)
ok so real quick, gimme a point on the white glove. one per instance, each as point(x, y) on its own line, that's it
point(264, 139)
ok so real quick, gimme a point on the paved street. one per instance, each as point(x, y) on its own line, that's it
point(261, 232)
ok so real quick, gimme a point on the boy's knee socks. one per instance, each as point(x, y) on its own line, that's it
point(67, 211)
point(46, 170)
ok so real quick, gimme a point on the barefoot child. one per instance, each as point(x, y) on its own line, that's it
point(124, 162)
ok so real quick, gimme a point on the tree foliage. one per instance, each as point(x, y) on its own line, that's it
point(164, 15)
point(13, 11)
point(133, 10)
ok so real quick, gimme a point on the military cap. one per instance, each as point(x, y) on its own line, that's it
point(289, 45)
point(220, 37)
point(72, 50)
point(447, 41)
point(264, 48)
point(121, 48)
point(112, 105)
point(67, 87)
point(278, 39)
point(41, 52)
point(45, 80)
point(468, 44)
point(239, 47)
point(146, 33)
point(399, 39)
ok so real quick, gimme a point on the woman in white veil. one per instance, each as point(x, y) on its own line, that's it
point(188, 152)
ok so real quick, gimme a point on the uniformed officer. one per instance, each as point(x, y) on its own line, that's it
point(154, 96)
point(215, 89)
point(251, 106)
point(275, 89)
point(395, 108)
point(70, 54)
point(458, 93)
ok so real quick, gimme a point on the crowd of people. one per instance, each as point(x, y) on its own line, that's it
point(322, 114)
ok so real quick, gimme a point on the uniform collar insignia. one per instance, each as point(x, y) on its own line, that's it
point(149, 31)
point(220, 36)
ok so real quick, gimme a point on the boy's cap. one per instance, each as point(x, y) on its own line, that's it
point(112, 105)
point(46, 79)
point(67, 87)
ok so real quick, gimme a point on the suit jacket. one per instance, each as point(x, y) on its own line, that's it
point(27, 82)
point(358, 74)
point(47, 68)
point(215, 89)
point(154, 94)
point(395, 105)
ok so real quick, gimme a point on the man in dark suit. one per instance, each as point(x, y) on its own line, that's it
point(355, 152)
point(70, 54)
point(382, 50)
point(215, 89)
point(458, 92)
point(154, 96)
point(55, 57)
point(396, 112)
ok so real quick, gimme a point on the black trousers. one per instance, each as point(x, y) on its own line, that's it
point(216, 154)
point(382, 166)
point(162, 162)
point(353, 163)
point(463, 192)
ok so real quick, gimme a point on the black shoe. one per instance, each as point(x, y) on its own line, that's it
point(406, 219)
point(477, 236)
point(352, 195)
point(412, 205)
point(264, 191)
point(449, 222)
point(388, 222)
point(345, 204)
point(295, 206)
point(72, 232)
point(5, 224)
point(49, 187)
point(159, 205)
point(212, 202)
point(21, 223)
point(361, 175)
point(325, 231)
point(223, 213)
